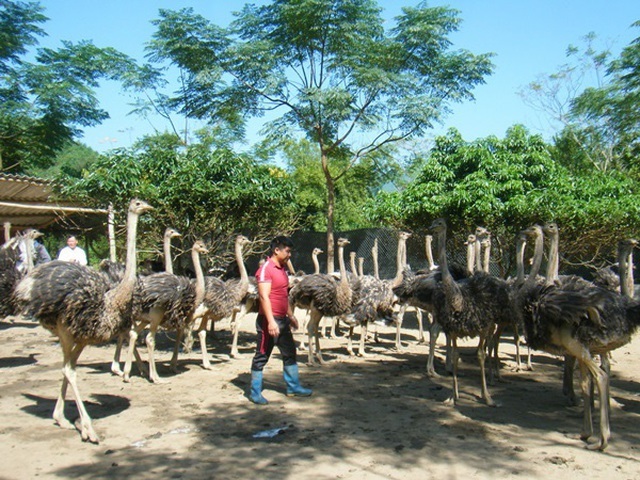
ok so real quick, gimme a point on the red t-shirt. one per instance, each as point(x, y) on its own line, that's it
point(272, 273)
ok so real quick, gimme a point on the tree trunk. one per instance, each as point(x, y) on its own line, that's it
point(331, 202)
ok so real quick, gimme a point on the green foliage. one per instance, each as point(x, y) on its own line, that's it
point(202, 193)
point(72, 161)
point(508, 184)
point(45, 104)
point(353, 191)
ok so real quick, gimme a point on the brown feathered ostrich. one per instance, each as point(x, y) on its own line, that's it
point(167, 301)
point(323, 295)
point(470, 307)
point(581, 322)
point(79, 306)
point(374, 299)
point(221, 299)
point(113, 271)
point(12, 270)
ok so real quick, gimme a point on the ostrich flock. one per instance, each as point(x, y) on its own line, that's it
point(581, 320)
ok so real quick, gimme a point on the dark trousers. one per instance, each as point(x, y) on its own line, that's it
point(266, 342)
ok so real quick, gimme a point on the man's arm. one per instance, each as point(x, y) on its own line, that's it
point(264, 290)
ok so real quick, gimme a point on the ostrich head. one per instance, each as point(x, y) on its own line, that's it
point(343, 242)
point(139, 207)
point(482, 232)
point(404, 235)
point(533, 231)
point(200, 247)
point(317, 251)
point(471, 239)
point(438, 225)
point(550, 228)
point(171, 233)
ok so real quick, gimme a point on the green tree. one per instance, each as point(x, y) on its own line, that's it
point(353, 191)
point(46, 103)
point(329, 69)
point(72, 161)
point(615, 106)
point(211, 194)
point(508, 184)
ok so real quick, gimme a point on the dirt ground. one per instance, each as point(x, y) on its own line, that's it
point(378, 417)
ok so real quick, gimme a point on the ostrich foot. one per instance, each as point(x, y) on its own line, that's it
point(159, 380)
point(234, 354)
point(431, 373)
point(87, 432)
point(351, 353)
point(62, 422)
point(450, 402)
point(116, 370)
point(613, 403)
point(599, 445)
point(364, 354)
point(491, 403)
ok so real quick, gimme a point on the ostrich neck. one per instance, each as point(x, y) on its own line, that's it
point(478, 255)
point(29, 249)
point(552, 266)
point(520, 246)
point(168, 261)
point(316, 264)
point(343, 268)
point(244, 278)
point(352, 263)
point(401, 261)
point(625, 257)
point(200, 285)
point(487, 257)
point(471, 256)
point(124, 290)
point(629, 274)
point(538, 251)
point(360, 266)
point(429, 250)
point(374, 256)
point(449, 285)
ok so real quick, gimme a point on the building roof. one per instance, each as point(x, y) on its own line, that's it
point(28, 202)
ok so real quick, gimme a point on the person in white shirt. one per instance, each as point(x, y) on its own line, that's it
point(72, 252)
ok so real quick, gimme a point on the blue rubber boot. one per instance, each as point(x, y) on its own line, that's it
point(292, 379)
point(256, 388)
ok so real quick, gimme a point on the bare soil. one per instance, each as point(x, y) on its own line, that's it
point(378, 417)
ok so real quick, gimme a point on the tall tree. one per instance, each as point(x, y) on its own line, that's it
point(44, 104)
point(329, 69)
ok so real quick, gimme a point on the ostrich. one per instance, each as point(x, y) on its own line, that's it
point(573, 282)
point(169, 233)
point(78, 305)
point(114, 272)
point(375, 299)
point(10, 273)
point(581, 322)
point(468, 308)
point(323, 295)
point(316, 269)
point(163, 300)
point(471, 253)
point(221, 299)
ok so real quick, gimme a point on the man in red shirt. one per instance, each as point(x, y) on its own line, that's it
point(275, 321)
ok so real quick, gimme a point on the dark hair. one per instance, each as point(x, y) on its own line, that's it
point(71, 236)
point(280, 242)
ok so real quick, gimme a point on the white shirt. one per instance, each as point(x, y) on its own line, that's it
point(76, 255)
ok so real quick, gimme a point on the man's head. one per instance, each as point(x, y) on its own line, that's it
point(280, 249)
point(72, 241)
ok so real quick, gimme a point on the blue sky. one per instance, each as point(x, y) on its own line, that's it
point(528, 38)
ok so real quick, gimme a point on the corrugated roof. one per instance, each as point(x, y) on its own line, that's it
point(26, 202)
